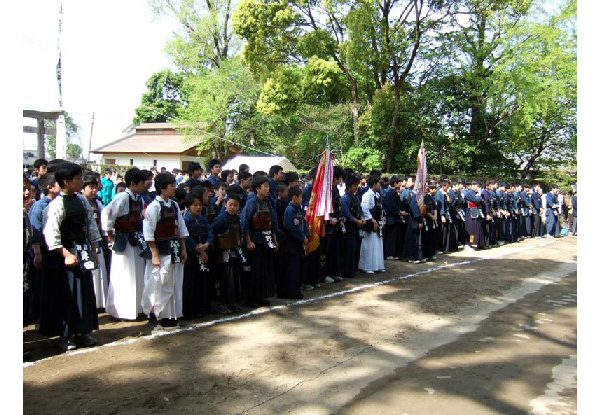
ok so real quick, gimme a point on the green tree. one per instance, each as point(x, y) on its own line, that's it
point(73, 150)
point(164, 100)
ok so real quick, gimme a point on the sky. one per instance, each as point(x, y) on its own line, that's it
point(109, 50)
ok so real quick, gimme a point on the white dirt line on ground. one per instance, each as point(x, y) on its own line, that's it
point(265, 310)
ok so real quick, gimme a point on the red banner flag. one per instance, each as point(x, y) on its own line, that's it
point(320, 205)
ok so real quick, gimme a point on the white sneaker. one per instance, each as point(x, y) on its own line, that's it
point(307, 287)
point(338, 279)
point(469, 248)
point(390, 257)
point(370, 272)
point(439, 253)
point(329, 280)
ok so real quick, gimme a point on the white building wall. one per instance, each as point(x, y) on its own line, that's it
point(170, 161)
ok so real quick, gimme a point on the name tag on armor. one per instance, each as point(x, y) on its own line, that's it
point(83, 252)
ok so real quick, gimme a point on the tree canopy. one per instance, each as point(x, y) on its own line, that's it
point(489, 86)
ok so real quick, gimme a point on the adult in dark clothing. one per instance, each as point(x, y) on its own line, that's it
point(574, 206)
point(214, 170)
point(552, 223)
point(194, 171)
point(333, 243)
point(392, 242)
point(289, 279)
point(536, 208)
point(442, 202)
point(275, 176)
point(526, 198)
point(473, 222)
point(429, 231)
point(351, 212)
point(412, 245)
point(452, 219)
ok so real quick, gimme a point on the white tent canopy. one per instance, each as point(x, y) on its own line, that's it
point(258, 163)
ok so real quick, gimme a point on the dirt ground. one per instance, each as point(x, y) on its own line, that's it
point(376, 344)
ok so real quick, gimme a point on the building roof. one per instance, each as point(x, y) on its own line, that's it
point(259, 163)
point(147, 139)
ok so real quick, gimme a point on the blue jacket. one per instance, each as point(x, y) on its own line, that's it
point(200, 231)
point(536, 202)
point(391, 205)
point(36, 219)
point(246, 218)
point(299, 231)
point(574, 205)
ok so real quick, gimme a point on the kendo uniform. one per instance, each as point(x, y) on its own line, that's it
point(501, 221)
point(280, 257)
point(552, 223)
point(312, 266)
point(36, 275)
point(412, 245)
point(350, 209)
point(163, 285)
point(536, 218)
point(509, 219)
point(333, 243)
point(451, 233)
point(473, 223)
point(296, 229)
point(371, 249)
point(209, 211)
point(196, 272)
point(463, 211)
point(259, 221)
point(574, 205)
point(70, 225)
point(227, 231)
point(100, 274)
point(392, 242)
point(441, 205)
point(123, 216)
point(493, 223)
point(27, 265)
point(429, 231)
point(526, 218)
point(488, 226)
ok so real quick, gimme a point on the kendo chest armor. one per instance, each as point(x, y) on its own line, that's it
point(132, 221)
point(167, 227)
point(262, 217)
point(354, 206)
point(376, 211)
point(73, 228)
point(230, 239)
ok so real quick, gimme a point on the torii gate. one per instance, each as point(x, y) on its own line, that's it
point(61, 133)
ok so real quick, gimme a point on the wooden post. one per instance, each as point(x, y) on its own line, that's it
point(41, 145)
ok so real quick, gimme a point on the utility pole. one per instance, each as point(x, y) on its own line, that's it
point(61, 128)
point(91, 132)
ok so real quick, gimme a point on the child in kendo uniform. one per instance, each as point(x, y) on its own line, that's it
point(229, 256)
point(165, 233)
point(196, 273)
point(90, 191)
point(71, 230)
point(122, 221)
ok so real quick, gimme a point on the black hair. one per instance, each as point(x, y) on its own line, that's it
point(107, 170)
point(243, 168)
point(234, 196)
point(190, 197)
point(259, 181)
point(162, 180)
point(197, 191)
point(66, 171)
point(193, 166)
point(120, 185)
point(351, 179)
point(206, 185)
point(134, 176)
point(311, 175)
point(337, 172)
point(273, 170)
point(394, 180)
point(259, 173)
point(39, 163)
point(53, 164)
point(290, 176)
point(89, 179)
point(244, 175)
point(281, 187)
point(180, 194)
point(225, 173)
point(375, 172)
point(147, 175)
point(234, 188)
point(218, 184)
point(294, 191)
point(372, 180)
point(212, 164)
point(45, 181)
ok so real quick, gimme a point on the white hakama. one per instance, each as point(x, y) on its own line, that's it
point(163, 289)
point(371, 247)
point(126, 283)
point(100, 278)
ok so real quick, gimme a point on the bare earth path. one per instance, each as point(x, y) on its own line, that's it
point(489, 332)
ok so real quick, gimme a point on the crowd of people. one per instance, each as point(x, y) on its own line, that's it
point(169, 246)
